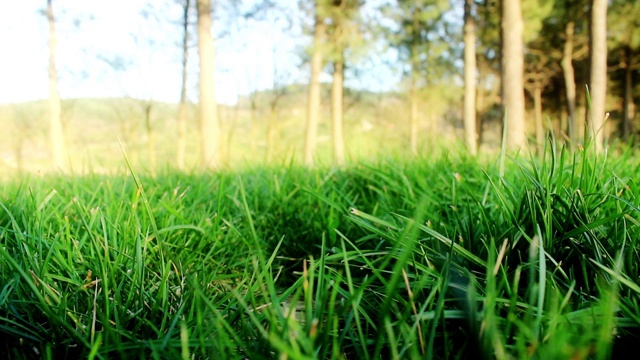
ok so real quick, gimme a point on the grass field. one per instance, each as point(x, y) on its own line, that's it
point(441, 257)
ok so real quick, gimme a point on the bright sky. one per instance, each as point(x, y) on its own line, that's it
point(93, 36)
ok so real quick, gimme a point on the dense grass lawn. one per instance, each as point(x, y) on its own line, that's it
point(432, 258)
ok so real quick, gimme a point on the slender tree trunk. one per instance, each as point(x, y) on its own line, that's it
point(228, 127)
point(480, 101)
point(512, 74)
point(182, 112)
point(628, 107)
point(537, 109)
point(598, 73)
point(337, 110)
point(413, 91)
point(271, 135)
point(413, 116)
point(253, 128)
point(18, 151)
point(570, 82)
point(209, 123)
point(313, 105)
point(471, 133)
point(55, 113)
point(151, 139)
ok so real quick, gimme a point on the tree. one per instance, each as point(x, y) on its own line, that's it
point(337, 90)
point(418, 35)
point(540, 62)
point(209, 125)
point(313, 102)
point(624, 44)
point(567, 14)
point(343, 35)
point(414, 55)
point(488, 87)
point(470, 78)
point(598, 71)
point(147, 107)
point(338, 39)
point(555, 63)
point(182, 111)
point(147, 38)
point(540, 69)
point(629, 62)
point(569, 79)
point(512, 73)
point(277, 94)
point(55, 117)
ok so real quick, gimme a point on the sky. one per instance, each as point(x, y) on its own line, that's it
point(131, 48)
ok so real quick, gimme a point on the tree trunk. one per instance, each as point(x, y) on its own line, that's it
point(228, 126)
point(471, 133)
point(537, 108)
point(151, 139)
point(413, 116)
point(182, 112)
point(18, 151)
point(209, 125)
point(570, 83)
point(271, 135)
point(55, 112)
point(512, 73)
point(598, 73)
point(313, 105)
point(628, 107)
point(413, 91)
point(253, 117)
point(480, 101)
point(337, 110)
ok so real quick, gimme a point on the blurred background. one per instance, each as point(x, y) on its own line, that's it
point(383, 77)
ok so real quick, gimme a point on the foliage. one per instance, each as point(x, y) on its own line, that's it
point(422, 36)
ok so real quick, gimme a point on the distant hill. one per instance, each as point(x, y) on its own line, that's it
point(94, 126)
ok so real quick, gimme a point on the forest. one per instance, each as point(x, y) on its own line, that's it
point(343, 179)
point(412, 75)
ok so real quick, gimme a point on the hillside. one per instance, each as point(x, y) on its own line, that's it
point(94, 128)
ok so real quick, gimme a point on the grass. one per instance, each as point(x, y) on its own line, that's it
point(446, 257)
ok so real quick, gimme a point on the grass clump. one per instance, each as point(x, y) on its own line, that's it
point(436, 258)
